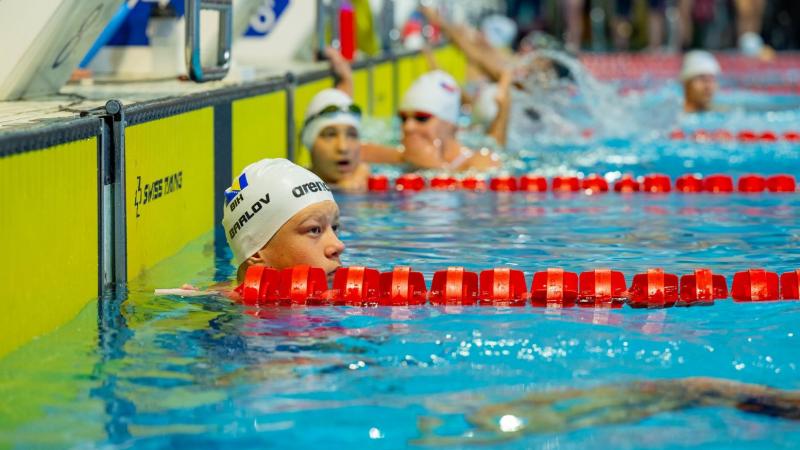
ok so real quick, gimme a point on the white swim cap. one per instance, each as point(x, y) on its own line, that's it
point(699, 62)
point(485, 108)
point(263, 198)
point(436, 93)
point(750, 44)
point(499, 30)
point(329, 107)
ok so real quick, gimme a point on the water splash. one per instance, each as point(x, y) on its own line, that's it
point(579, 105)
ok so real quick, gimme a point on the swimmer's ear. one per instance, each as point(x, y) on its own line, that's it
point(256, 260)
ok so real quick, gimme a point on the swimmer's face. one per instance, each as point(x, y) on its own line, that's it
point(699, 92)
point(422, 130)
point(336, 152)
point(309, 237)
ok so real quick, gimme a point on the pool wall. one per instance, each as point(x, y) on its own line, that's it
point(96, 200)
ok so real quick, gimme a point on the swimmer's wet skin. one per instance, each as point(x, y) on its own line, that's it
point(568, 410)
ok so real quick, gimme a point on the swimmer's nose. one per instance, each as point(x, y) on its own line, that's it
point(335, 249)
point(341, 143)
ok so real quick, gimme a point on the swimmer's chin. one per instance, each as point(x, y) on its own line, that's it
point(331, 274)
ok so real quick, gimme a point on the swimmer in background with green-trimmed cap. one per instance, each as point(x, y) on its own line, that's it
point(279, 214)
point(331, 133)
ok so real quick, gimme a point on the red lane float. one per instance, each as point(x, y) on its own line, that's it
point(566, 184)
point(752, 183)
point(657, 183)
point(302, 285)
point(260, 286)
point(410, 182)
point(503, 184)
point(402, 287)
point(444, 182)
point(602, 287)
point(744, 136)
point(718, 184)
point(356, 286)
point(790, 285)
point(554, 287)
point(378, 183)
point(362, 286)
point(754, 285)
point(689, 184)
point(654, 289)
point(594, 184)
point(502, 286)
point(626, 184)
point(454, 286)
point(702, 287)
point(473, 184)
point(781, 183)
point(532, 183)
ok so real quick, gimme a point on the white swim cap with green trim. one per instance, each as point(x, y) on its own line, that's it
point(264, 197)
point(317, 117)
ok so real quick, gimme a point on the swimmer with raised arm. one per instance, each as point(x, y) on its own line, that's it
point(279, 214)
point(331, 130)
point(699, 77)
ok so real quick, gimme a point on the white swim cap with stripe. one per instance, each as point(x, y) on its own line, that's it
point(263, 198)
point(436, 93)
point(329, 107)
point(699, 62)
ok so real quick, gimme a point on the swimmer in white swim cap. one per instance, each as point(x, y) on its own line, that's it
point(429, 115)
point(331, 132)
point(699, 77)
point(279, 214)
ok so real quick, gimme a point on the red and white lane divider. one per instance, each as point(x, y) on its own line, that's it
point(744, 136)
point(653, 183)
point(553, 287)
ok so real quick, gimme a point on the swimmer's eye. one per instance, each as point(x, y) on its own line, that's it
point(328, 133)
point(336, 227)
point(315, 230)
point(352, 133)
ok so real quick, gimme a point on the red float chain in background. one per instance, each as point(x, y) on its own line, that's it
point(594, 183)
point(554, 287)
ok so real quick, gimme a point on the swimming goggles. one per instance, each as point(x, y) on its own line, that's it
point(332, 109)
point(418, 116)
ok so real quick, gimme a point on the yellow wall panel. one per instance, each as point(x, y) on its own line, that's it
point(302, 97)
point(409, 68)
point(259, 129)
point(169, 186)
point(49, 239)
point(383, 97)
point(361, 88)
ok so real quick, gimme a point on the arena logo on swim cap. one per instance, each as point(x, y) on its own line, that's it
point(314, 186)
point(233, 194)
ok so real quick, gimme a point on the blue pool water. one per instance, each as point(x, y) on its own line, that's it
point(206, 373)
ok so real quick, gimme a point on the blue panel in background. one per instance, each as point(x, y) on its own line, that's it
point(268, 15)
